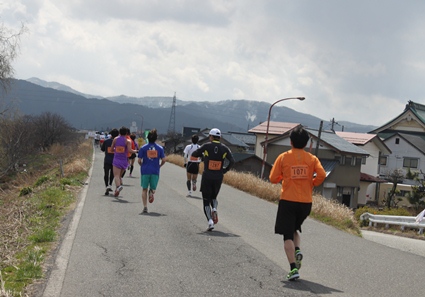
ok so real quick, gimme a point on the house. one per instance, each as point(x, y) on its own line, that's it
point(404, 135)
point(341, 159)
point(189, 131)
point(408, 152)
point(250, 163)
point(370, 167)
point(275, 129)
point(343, 181)
point(233, 143)
point(247, 138)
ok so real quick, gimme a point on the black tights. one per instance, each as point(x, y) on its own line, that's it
point(208, 206)
point(108, 176)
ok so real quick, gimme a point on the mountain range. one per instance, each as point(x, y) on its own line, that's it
point(91, 112)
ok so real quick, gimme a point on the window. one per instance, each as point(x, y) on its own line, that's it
point(410, 162)
point(363, 161)
point(397, 141)
point(383, 160)
point(403, 193)
point(348, 161)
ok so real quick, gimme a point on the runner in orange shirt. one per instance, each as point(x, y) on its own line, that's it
point(299, 171)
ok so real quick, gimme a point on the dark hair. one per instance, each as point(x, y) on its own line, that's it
point(114, 133)
point(152, 136)
point(133, 136)
point(123, 130)
point(299, 138)
point(195, 138)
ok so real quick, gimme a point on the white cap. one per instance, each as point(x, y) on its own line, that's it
point(215, 132)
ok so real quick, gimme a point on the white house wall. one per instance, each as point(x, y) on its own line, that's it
point(399, 151)
point(258, 148)
point(371, 167)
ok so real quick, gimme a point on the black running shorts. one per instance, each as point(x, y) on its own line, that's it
point(290, 216)
point(192, 167)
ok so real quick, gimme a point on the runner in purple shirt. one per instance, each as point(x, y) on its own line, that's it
point(121, 146)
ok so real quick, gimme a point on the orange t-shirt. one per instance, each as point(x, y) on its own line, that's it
point(296, 169)
point(133, 146)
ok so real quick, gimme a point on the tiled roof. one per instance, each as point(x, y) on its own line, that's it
point(276, 128)
point(248, 138)
point(337, 142)
point(370, 178)
point(356, 138)
point(418, 109)
point(233, 140)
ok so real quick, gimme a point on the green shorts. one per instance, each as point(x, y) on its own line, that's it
point(149, 181)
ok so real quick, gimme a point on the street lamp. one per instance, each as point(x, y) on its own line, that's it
point(141, 124)
point(267, 131)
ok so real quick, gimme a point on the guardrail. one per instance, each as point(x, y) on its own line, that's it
point(402, 221)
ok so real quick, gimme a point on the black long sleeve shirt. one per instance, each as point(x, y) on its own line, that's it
point(214, 155)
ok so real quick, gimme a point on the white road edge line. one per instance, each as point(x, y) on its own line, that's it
point(57, 275)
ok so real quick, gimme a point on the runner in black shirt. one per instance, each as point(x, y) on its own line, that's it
point(214, 154)
point(108, 176)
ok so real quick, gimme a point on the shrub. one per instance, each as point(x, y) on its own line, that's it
point(41, 181)
point(25, 191)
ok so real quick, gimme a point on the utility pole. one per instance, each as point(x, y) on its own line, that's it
point(172, 123)
point(333, 123)
point(316, 152)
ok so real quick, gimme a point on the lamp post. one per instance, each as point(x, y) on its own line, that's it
point(267, 131)
point(141, 124)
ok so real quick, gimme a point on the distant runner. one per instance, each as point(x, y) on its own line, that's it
point(191, 164)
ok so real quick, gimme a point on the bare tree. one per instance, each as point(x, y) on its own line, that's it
point(395, 177)
point(51, 128)
point(9, 47)
point(173, 139)
point(17, 142)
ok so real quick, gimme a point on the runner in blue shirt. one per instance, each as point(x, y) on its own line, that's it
point(151, 157)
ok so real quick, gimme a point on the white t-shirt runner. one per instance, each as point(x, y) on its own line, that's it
point(187, 153)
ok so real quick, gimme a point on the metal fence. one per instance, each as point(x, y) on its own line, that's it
point(402, 221)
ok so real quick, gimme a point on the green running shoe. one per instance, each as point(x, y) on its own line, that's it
point(293, 275)
point(298, 258)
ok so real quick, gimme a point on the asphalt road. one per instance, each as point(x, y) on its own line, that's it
point(111, 249)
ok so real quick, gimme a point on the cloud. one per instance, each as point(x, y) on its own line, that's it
point(359, 61)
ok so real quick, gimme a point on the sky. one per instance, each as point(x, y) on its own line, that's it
point(359, 61)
